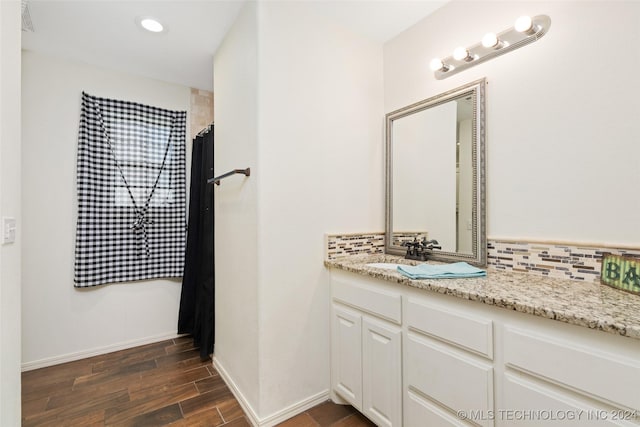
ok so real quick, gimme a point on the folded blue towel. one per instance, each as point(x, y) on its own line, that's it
point(441, 271)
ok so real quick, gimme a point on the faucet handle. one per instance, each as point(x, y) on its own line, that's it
point(415, 243)
point(430, 244)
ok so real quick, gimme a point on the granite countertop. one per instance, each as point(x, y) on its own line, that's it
point(592, 305)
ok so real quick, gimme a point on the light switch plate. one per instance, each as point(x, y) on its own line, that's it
point(8, 230)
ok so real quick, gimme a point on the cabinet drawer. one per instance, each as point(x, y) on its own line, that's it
point(466, 331)
point(366, 297)
point(419, 413)
point(602, 375)
point(454, 380)
point(528, 403)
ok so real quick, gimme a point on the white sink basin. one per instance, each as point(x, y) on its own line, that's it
point(384, 265)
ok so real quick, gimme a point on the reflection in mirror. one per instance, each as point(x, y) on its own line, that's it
point(435, 175)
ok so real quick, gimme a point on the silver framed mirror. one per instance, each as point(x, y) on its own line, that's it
point(435, 175)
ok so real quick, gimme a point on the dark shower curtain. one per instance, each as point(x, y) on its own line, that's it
point(197, 299)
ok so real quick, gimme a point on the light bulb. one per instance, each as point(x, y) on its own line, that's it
point(524, 24)
point(490, 40)
point(462, 54)
point(436, 64)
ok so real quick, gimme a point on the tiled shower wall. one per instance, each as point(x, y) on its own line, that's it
point(544, 259)
point(201, 114)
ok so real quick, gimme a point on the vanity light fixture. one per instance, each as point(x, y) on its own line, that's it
point(437, 64)
point(462, 54)
point(524, 24)
point(525, 30)
point(492, 41)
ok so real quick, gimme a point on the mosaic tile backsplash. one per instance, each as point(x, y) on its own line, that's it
point(551, 260)
point(339, 245)
point(400, 238)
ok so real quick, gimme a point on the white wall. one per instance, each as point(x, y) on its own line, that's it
point(236, 212)
point(317, 167)
point(59, 321)
point(321, 170)
point(10, 206)
point(562, 131)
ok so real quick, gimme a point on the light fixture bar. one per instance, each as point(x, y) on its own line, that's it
point(508, 40)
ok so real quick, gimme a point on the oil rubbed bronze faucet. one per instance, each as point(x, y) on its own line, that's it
point(420, 249)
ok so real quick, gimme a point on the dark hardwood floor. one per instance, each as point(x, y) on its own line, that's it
point(153, 385)
point(157, 384)
point(329, 414)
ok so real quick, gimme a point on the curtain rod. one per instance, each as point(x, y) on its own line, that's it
point(205, 130)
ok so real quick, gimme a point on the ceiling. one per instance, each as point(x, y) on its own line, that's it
point(105, 32)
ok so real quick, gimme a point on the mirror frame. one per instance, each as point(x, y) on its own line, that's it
point(477, 90)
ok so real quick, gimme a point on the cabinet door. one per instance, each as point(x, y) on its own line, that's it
point(382, 372)
point(346, 355)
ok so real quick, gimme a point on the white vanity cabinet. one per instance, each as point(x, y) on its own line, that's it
point(447, 364)
point(413, 357)
point(564, 375)
point(366, 365)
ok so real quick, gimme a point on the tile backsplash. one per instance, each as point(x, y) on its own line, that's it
point(339, 245)
point(565, 261)
point(400, 238)
point(575, 262)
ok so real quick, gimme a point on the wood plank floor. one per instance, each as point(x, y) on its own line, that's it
point(158, 384)
point(329, 414)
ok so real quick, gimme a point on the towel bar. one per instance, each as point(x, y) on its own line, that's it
point(216, 180)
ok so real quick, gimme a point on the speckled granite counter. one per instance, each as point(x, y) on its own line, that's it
point(591, 305)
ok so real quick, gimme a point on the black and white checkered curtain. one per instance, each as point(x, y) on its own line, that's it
point(131, 192)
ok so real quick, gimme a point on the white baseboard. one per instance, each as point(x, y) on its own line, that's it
point(70, 357)
point(277, 417)
point(295, 409)
point(246, 407)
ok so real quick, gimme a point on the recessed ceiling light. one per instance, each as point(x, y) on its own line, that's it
point(151, 24)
